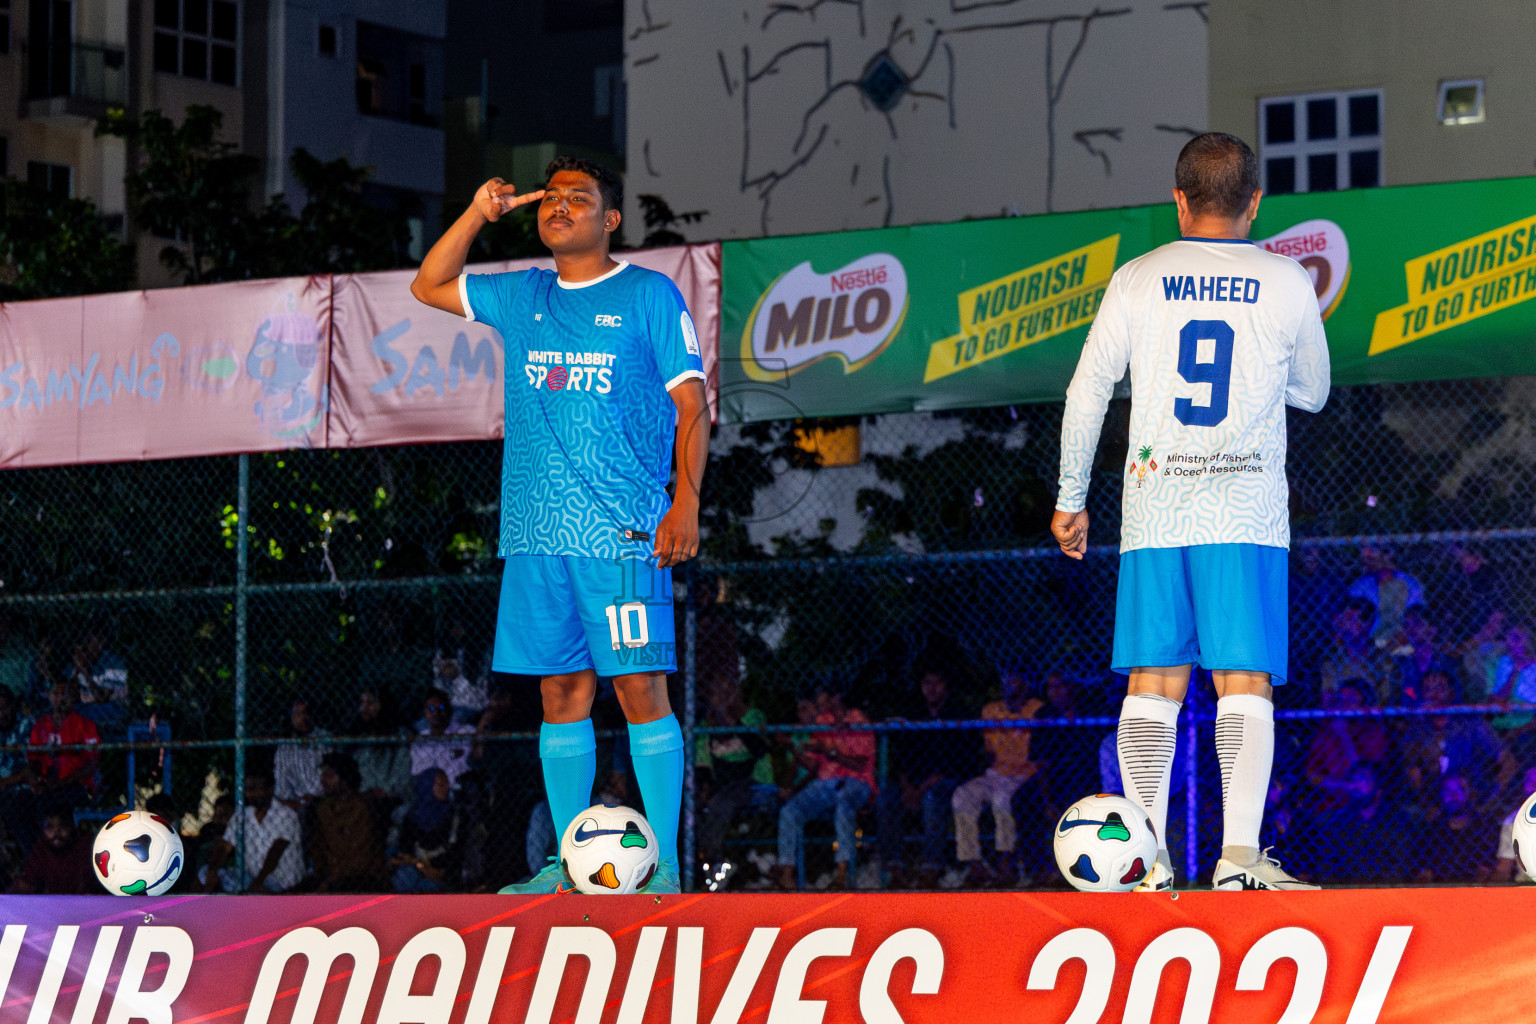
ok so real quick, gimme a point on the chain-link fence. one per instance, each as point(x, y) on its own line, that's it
point(219, 618)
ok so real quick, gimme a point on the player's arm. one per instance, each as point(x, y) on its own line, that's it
point(437, 279)
point(677, 535)
point(1306, 385)
point(1105, 357)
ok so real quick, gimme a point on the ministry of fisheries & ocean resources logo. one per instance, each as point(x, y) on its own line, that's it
point(851, 313)
point(1143, 462)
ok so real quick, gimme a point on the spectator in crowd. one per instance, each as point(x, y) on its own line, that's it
point(1442, 745)
point(1007, 751)
point(18, 803)
point(1068, 758)
point(1419, 656)
point(1389, 590)
point(1365, 839)
point(348, 853)
point(452, 756)
point(1340, 744)
point(1481, 654)
point(43, 671)
point(1506, 867)
point(209, 841)
point(427, 858)
point(383, 768)
point(1514, 678)
point(468, 699)
point(274, 847)
point(65, 779)
point(296, 766)
point(1459, 843)
point(102, 680)
point(60, 861)
point(1316, 592)
point(928, 765)
point(1351, 654)
point(842, 766)
point(1472, 591)
point(15, 658)
point(510, 769)
point(725, 771)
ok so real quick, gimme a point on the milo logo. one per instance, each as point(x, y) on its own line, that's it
point(1320, 246)
point(804, 316)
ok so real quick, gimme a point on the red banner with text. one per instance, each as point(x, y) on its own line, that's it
point(1425, 956)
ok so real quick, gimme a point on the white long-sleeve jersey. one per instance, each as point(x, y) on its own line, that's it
point(1220, 336)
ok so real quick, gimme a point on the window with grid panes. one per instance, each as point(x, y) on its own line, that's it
point(1321, 142)
point(198, 39)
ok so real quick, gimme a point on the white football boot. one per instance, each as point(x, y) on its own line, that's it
point(1263, 873)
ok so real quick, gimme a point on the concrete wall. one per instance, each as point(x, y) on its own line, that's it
point(1263, 48)
point(755, 111)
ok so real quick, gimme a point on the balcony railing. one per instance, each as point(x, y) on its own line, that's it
point(89, 73)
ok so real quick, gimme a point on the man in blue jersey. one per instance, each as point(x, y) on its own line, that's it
point(1219, 337)
point(602, 371)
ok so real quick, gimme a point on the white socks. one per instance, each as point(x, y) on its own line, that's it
point(1245, 747)
point(1145, 741)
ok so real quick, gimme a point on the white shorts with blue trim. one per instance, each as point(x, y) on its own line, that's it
point(1221, 606)
point(561, 613)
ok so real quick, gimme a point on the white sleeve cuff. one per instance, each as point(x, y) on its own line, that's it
point(685, 375)
point(469, 311)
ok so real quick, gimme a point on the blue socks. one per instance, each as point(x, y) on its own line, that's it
point(656, 750)
point(568, 753)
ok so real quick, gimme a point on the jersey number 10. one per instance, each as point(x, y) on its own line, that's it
point(1217, 373)
point(627, 625)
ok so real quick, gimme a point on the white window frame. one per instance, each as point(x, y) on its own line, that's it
point(1341, 145)
point(1482, 101)
point(206, 38)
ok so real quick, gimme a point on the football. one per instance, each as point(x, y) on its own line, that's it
point(1524, 833)
point(609, 848)
point(1105, 843)
point(137, 853)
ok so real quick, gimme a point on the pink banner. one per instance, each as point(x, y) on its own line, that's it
point(342, 362)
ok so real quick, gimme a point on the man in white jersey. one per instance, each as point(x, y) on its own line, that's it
point(1220, 336)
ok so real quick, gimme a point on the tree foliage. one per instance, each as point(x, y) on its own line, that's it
point(52, 246)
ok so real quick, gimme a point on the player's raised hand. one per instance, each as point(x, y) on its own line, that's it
point(497, 197)
point(677, 535)
point(1071, 531)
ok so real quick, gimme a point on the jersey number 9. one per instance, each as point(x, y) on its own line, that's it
point(1217, 373)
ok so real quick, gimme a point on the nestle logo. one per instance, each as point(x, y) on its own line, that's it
point(853, 280)
point(608, 320)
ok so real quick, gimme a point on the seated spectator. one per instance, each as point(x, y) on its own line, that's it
point(1419, 656)
point(1351, 654)
point(102, 680)
point(1068, 758)
point(1506, 867)
point(348, 854)
point(296, 766)
point(1459, 843)
point(60, 861)
point(1514, 678)
point(842, 763)
point(384, 768)
point(66, 779)
point(274, 847)
point(1442, 745)
point(1471, 592)
point(1480, 656)
point(1341, 744)
point(427, 858)
point(1366, 838)
point(1010, 767)
point(509, 769)
point(928, 764)
point(452, 756)
point(468, 699)
point(725, 768)
point(1390, 592)
point(201, 847)
point(18, 804)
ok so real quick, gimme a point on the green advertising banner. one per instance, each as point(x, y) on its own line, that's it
point(1425, 282)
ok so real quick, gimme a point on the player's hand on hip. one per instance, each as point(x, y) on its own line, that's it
point(497, 197)
point(677, 537)
point(1071, 531)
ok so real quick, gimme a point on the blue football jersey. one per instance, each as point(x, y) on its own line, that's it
point(589, 423)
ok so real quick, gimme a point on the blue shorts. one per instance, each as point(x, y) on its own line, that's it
point(560, 614)
point(1221, 606)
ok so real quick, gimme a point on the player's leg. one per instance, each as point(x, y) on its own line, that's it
point(1241, 614)
point(967, 802)
point(626, 611)
point(538, 633)
point(1155, 646)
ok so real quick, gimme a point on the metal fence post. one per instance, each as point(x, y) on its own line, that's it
point(1191, 801)
point(242, 584)
point(690, 682)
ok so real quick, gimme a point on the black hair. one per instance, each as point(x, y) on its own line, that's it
point(609, 185)
point(1218, 174)
point(259, 771)
point(436, 694)
point(163, 805)
point(345, 767)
